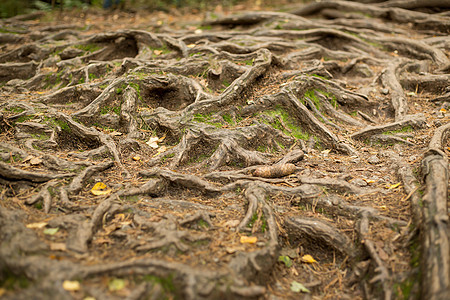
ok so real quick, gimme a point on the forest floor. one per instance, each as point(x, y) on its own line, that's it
point(261, 154)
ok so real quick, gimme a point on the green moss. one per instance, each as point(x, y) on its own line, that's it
point(354, 113)
point(166, 282)
point(64, 126)
point(23, 119)
point(137, 88)
point(312, 96)
point(206, 118)
point(92, 76)
point(252, 220)
point(107, 109)
point(318, 76)
point(226, 83)
point(202, 223)
point(401, 130)
point(81, 80)
point(164, 50)
point(261, 148)
point(11, 281)
point(292, 128)
point(88, 47)
point(39, 136)
point(205, 27)
point(119, 91)
point(139, 75)
point(15, 109)
point(15, 158)
point(228, 119)
point(165, 157)
point(104, 86)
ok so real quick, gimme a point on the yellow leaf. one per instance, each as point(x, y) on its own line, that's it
point(369, 181)
point(393, 186)
point(38, 225)
point(308, 259)
point(248, 239)
point(383, 207)
point(191, 45)
point(71, 285)
point(157, 52)
point(2, 291)
point(40, 93)
point(136, 158)
point(443, 110)
point(100, 189)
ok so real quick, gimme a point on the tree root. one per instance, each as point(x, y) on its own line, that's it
point(435, 262)
point(383, 275)
point(319, 233)
point(416, 121)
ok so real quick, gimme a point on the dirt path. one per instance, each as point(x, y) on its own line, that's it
point(265, 155)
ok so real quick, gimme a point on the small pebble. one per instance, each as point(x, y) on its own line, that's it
point(385, 91)
point(374, 160)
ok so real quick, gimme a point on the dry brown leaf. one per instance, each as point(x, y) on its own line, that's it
point(38, 225)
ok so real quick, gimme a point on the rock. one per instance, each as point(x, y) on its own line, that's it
point(374, 160)
point(385, 91)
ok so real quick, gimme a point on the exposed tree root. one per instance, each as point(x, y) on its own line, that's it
point(230, 152)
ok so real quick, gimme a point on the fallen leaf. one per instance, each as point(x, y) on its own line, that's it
point(29, 157)
point(286, 260)
point(69, 285)
point(136, 158)
point(153, 142)
point(393, 186)
point(191, 45)
point(411, 94)
point(2, 291)
point(38, 225)
point(443, 110)
point(51, 231)
point(308, 259)
point(326, 151)
point(58, 246)
point(297, 287)
point(116, 284)
point(248, 239)
point(369, 181)
point(383, 207)
point(100, 189)
point(157, 52)
point(35, 161)
point(116, 133)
